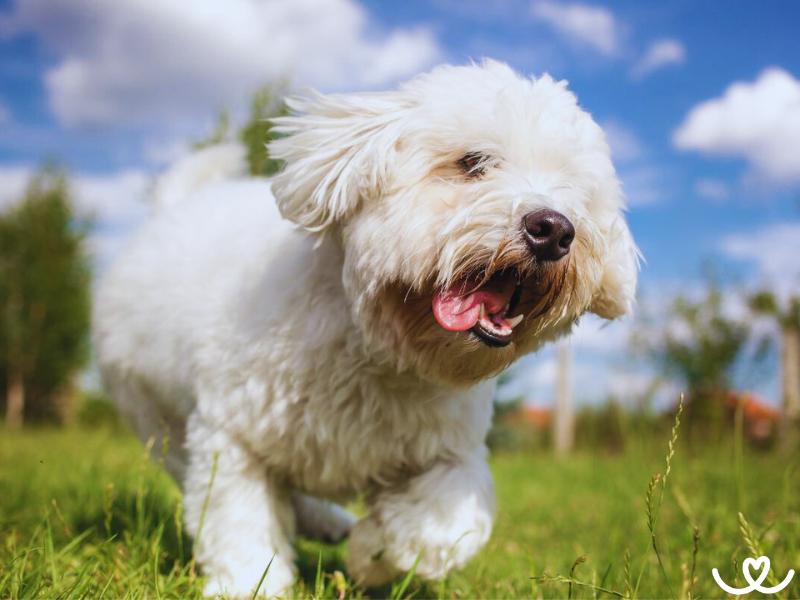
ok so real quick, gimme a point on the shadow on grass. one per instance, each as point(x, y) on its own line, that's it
point(146, 514)
point(312, 556)
point(141, 517)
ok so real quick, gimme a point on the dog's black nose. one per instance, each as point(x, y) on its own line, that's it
point(548, 233)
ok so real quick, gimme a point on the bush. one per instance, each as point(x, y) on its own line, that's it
point(97, 410)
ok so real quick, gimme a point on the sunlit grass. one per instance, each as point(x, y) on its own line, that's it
point(84, 514)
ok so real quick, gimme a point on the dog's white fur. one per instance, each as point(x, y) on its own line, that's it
point(302, 365)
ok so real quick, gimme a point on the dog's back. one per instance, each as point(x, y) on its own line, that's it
point(157, 310)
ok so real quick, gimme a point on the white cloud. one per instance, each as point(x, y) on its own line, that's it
point(606, 363)
point(594, 379)
point(660, 54)
point(758, 121)
point(594, 334)
point(5, 114)
point(105, 246)
point(643, 182)
point(116, 202)
point(625, 144)
point(592, 26)
point(774, 250)
point(601, 359)
point(155, 62)
point(115, 199)
point(13, 180)
point(712, 189)
point(543, 374)
point(628, 385)
point(165, 151)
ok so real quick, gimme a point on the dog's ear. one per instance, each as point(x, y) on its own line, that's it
point(338, 150)
point(616, 293)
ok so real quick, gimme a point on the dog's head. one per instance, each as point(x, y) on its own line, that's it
point(478, 211)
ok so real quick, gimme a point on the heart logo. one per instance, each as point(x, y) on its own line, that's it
point(761, 564)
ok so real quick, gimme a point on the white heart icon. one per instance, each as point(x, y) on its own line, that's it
point(762, 563)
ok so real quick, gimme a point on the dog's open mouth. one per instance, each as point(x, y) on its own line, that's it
point(484, 308)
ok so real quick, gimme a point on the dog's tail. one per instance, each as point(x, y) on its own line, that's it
point(215, 163)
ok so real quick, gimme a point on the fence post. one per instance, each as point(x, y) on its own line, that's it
point(564, 417)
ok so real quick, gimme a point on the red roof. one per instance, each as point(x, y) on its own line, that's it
point(753, 408)
point(534, 415)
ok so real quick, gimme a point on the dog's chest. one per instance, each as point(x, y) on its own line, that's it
point(332, 419)
point(340, 437)
point(346, 451)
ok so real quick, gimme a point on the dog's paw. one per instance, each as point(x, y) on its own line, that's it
point(322, 520)
point(366, 561)
point(337, 526)
point(242, 584)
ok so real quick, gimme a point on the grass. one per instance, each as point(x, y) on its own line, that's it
point(83, 513)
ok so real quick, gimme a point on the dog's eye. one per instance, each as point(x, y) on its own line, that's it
point(473, 164)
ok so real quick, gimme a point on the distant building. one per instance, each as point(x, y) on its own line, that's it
point(760, 419)
point(538, 417)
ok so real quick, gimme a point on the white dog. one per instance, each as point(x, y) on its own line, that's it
point(342, 339)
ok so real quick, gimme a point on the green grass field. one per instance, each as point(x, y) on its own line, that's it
point(84, 514)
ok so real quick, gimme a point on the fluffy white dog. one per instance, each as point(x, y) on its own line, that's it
point(342, 339)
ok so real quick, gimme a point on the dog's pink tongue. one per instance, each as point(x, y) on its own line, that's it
point(459, 312)
point(454, 312)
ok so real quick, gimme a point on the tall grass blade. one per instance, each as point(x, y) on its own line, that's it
point(263, 577)
point(578, 561)
point(207, 499)
point(399, 590)
point(655, 495)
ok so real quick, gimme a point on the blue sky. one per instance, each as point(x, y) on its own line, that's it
point(701, 102)
point(723, 42)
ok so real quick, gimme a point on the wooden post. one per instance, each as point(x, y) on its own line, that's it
point(790, 372)
point(15, 401)
point(564, 417)
point(790, 385)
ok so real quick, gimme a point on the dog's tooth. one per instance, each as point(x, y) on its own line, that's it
point(514, 321)
point(483, 312)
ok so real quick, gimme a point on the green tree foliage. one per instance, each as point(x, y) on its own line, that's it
point(44, 298)
point(700, 347)
point(704, 357)
point(765, 303)
point(218, 135)
point(255, 134)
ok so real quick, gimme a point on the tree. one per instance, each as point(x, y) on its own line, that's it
point(44, 299)
point(255, 134)
point(788, 320)
point(700, 346)
point(218, 135)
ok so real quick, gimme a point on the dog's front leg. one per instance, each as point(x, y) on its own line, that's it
point(239, 518)
point(441, 517)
